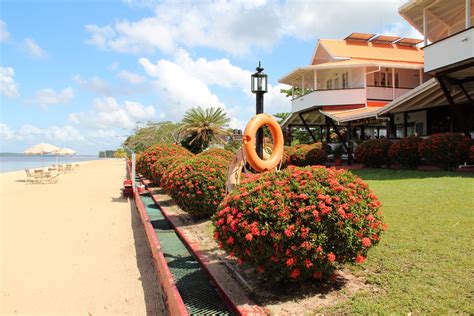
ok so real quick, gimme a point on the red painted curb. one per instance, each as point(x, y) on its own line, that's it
point(193, 246)
point(173, 300)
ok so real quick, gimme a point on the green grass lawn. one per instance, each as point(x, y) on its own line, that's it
point(424, 263)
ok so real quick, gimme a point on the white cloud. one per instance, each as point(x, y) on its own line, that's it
point(34, 49)
point(52, 133)
point(47, 97)
point(108, 112)
point(131, 77)
point(237, 27)
point(6, 132)
point(4, 35)
point(8, 85)
point(200, 77)
point(94, 84)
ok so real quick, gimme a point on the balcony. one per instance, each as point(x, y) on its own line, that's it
point(385, 93)
point(329, 98)
point(449, 51)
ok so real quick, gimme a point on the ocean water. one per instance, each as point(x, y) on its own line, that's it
point(14, 162)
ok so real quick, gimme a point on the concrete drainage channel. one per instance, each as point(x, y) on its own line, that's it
point(199, 296)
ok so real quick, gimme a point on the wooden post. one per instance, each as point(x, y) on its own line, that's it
point(405, 124)
point(425, 26)
point(327, 129)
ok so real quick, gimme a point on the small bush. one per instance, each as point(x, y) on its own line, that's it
point(446, 150)
point(162, 165)
point(308, 155)
point(218, 153)
point(300, 223)
point(373, 153)
point(145, 165)
point(406, 152)
point(197, 184)
point(305, 155)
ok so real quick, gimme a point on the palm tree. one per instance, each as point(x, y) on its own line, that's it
point(205, 126)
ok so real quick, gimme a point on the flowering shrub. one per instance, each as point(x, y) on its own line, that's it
point(305, 154)
point(373, 153)
point(145, 165)
point(446, 150)
point(162, 165)
point(218, 153)
point(406, 152)
point(471, 154)
point(197, 184)
point(299, 223)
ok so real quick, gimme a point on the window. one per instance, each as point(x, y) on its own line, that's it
point(397, 80)
point(336, 83)
point(383, 80)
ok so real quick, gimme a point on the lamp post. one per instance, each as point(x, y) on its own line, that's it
point(259, 87)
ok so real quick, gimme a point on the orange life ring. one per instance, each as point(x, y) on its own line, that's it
point(249, 139)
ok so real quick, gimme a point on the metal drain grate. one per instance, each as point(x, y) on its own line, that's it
point(199, 296)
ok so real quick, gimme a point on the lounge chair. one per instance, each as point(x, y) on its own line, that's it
point(68, 168)
point(29, 176)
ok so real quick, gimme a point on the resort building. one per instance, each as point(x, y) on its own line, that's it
point(445, 102)
point(348, 81)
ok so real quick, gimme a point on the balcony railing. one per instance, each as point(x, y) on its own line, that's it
point(329, 98)
point(385, 93)
point(450, 50)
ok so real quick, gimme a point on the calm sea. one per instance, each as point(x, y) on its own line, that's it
point(14, 162)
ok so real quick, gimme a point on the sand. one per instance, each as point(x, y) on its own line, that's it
point(74, 247)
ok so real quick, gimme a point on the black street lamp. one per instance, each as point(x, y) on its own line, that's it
point(259, 87)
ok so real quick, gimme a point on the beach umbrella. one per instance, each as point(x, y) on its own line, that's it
point(64, 152)
point(42, 149)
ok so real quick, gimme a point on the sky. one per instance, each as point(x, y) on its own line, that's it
point(84, 74)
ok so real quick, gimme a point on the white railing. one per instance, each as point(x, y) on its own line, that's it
point(450, 50)
point(329, 98)
point(385, 93)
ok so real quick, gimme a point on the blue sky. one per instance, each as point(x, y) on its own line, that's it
point(83, 74)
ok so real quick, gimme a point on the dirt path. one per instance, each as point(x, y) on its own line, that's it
point(74, 247)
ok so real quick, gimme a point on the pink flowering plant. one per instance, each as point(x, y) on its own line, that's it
point(406, 152)
point(446, 150)
point(373, 153)
point(197, 184)
point(299, 223)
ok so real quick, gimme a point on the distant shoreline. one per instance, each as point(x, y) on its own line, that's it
point(18, 162)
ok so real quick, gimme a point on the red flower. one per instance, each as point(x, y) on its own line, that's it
point(290, 262)
point(295, 273)
point(366, 242)
point(249, 237)
point(359, 259)
point(230, 240)
point(331, 257)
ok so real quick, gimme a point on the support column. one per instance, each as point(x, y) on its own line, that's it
point(468, 14)
point(420, 71)
point(307, 128)
point(393, 83)
point(302, 85)
point(447, 94)
point(315, 87)
point(425, 26)
point(405, 124)
point(327, 129)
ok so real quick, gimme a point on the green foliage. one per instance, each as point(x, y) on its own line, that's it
point(147, 160)
point(373, 153)
point(197, 184)
point(338, 151)
point(202, 127)
point(304, 155)
point(120, 153)
point(446, 150)
point(152, 134)
point(218, 153)
point(300, 223)
point(406, 152)
point(289, 92)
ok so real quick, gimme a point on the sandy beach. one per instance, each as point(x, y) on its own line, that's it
point(74, 247)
